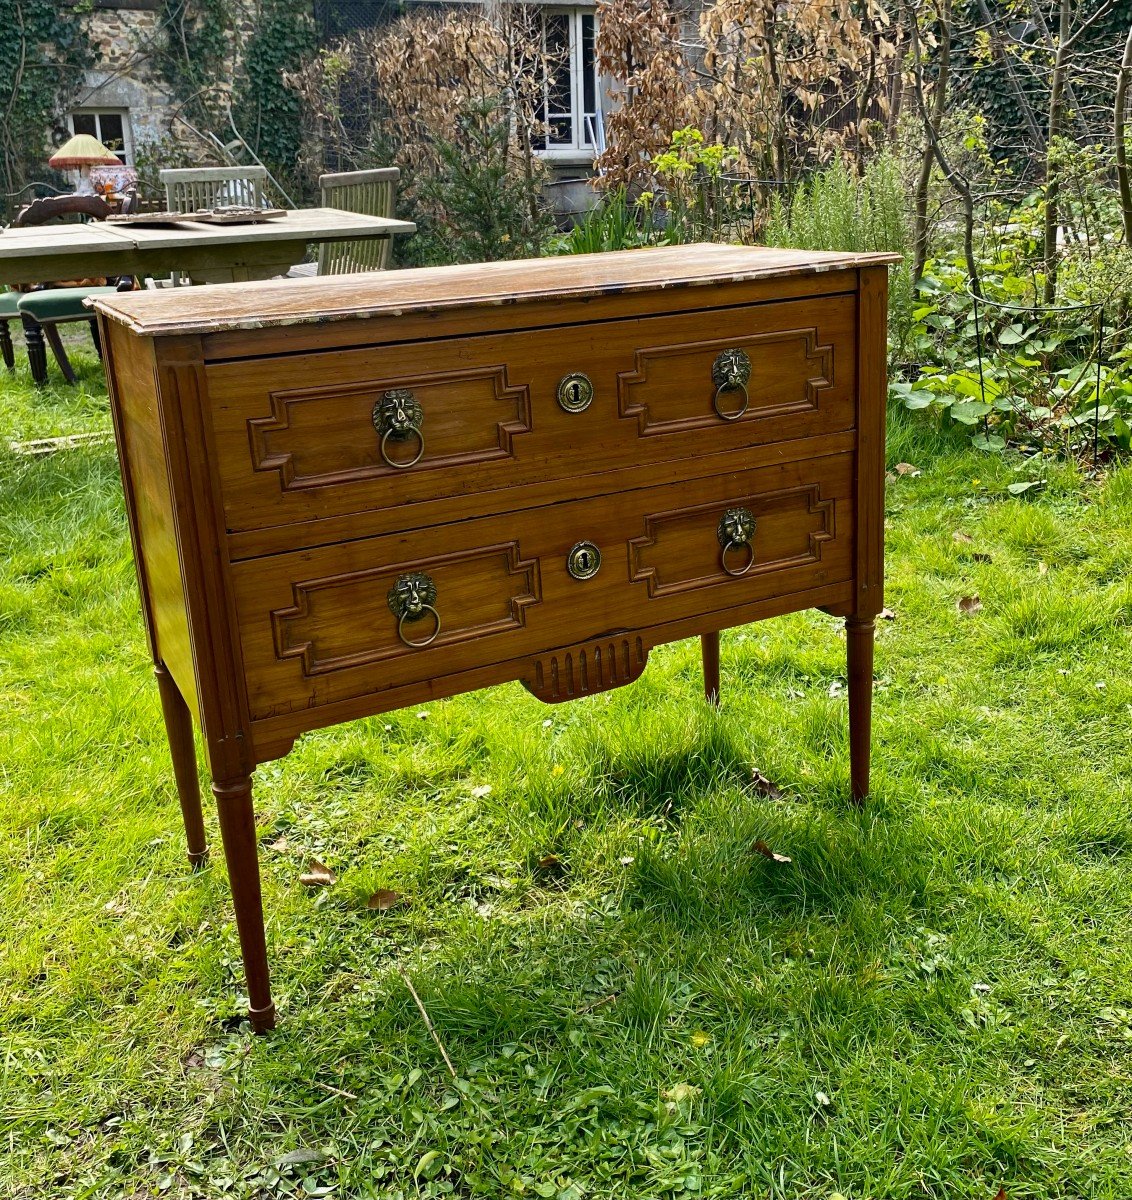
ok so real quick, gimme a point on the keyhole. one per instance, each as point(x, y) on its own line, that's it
point(575, 392)
point(584, 560)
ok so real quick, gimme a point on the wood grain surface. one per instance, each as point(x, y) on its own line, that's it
point(431, 289)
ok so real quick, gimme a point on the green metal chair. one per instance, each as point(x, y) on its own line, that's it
point(43, 311)
point(373, 193)
point(8, 301)
point(44, 308)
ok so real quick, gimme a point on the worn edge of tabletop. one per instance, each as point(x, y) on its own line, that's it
point(278, 302)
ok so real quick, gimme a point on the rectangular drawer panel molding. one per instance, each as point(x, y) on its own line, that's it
point(344, 620)
point(669, 389)
point(321, 436)
point(675, 556)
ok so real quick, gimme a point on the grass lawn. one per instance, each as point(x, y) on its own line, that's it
point(932, 999)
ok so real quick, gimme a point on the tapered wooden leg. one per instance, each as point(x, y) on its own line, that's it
point(179, 727)
point(96, 338)
point(709, 647)
point(7, 350)
point(859, 648)
point(51, 333)
point(37, 351)
point(237, 828)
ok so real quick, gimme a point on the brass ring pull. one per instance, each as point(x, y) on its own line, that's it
point(410, 598)
point(736, 529)
point(412, 462)
point(750, 558)
point(398, 416)
point(425, 608)
point(731, 372)
point(731, 416)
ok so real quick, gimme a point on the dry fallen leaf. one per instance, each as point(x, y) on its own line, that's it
point(317, 875)
point(906, 469)
point(764, 786)
point(969, 605)
point(1043, 568)
point(550, 862)
point(1000, 1194)
point(383, 900)
point(960, 536)
point(762, 848)
point(887, 614)
point(280, 844)
point(483, 790)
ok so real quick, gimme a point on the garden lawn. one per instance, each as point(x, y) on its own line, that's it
point(932, 998)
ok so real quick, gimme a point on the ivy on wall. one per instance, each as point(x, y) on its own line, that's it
point(267, 112)
point(42, 50)
point(195, 54)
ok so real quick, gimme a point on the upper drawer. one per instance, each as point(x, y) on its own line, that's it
point(323, 435)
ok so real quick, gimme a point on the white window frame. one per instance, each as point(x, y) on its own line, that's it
point(580, 149)
point(98, 114)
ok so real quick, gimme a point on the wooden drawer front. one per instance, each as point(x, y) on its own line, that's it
point(295, 436)
point(316, 626)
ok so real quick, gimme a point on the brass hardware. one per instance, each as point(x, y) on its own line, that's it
point(575, 392)
point(583, 561)
point(410, 598)
point(398, 416)
point(736, 528)
point(731, 372)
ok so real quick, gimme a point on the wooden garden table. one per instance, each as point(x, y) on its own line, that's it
point(205, 253)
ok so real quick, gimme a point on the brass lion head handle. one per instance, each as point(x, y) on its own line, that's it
point(411, 598)
point(398, 417)
point(731, 372)
point(736, 531)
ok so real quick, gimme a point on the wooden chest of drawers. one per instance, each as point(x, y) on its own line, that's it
point(354, 494)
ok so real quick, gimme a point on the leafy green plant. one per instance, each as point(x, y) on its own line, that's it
point(479, 207)
point(612, 224)
point(265, 109)
point(42, 50)
point(690, 176)
point(837, 210)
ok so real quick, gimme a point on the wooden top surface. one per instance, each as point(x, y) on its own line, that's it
point(204, 310)
point(302, 225)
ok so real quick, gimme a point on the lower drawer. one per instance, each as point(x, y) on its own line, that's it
point(337, 622)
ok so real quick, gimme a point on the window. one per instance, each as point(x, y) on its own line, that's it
point(570, 107)
point(111, 128)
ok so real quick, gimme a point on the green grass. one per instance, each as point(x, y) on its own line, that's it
point(933, 999)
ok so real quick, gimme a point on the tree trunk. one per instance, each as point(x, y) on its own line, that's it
point(1120, 138)
point(932, 122)
point(1053, 170)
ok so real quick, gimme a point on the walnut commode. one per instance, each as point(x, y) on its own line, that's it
point(354, 494)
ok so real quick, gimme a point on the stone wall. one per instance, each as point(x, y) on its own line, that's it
point(123, 75)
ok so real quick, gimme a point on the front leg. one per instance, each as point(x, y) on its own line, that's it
point(179, 728)
point(709, 649)
point(859, 631)
point(241, 852)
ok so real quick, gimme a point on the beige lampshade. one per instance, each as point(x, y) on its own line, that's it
point(83, 150)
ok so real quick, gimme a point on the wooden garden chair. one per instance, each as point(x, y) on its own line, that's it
point(373, 193)
point(191, 188)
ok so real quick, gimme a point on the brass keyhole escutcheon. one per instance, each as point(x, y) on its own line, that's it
point(575, 392)
point(583, 561)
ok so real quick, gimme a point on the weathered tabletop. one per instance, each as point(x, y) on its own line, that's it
point(205, 253)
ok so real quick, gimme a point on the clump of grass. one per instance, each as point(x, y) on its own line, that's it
point(930, 998)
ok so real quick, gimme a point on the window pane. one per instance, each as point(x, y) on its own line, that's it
point(558, 62)
point(112, 136)
point(589, 81)
point(84, 123)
